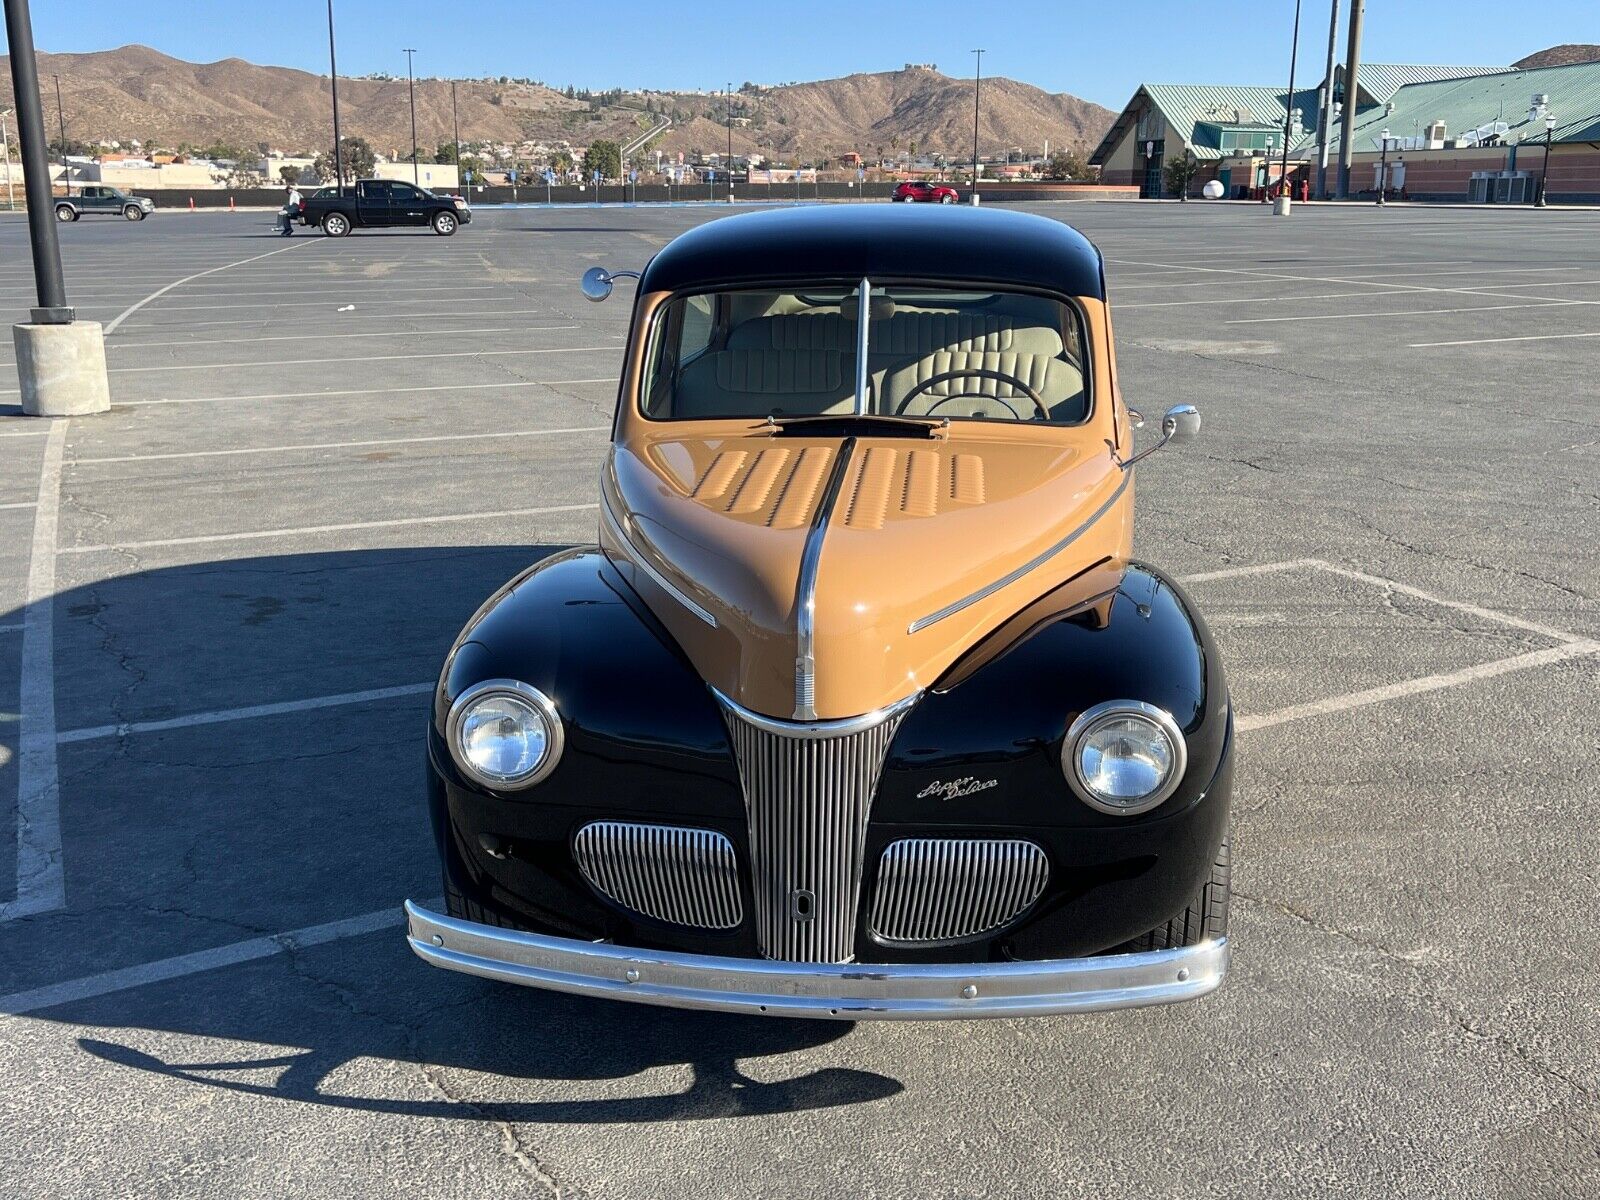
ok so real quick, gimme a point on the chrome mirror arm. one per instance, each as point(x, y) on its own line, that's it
point(1180, 424)
point(597, 282)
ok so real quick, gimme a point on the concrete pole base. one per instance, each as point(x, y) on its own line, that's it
point(62, 369)
point(1281, 206)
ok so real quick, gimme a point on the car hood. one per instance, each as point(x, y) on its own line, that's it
point(920, 548)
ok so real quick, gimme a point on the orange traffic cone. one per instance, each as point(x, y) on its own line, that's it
point(230, 204)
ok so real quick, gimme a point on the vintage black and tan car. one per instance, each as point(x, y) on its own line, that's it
point(861, 706)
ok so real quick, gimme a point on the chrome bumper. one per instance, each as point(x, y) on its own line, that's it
point(847, 991)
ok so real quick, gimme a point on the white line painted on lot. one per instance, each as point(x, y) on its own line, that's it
point(111, 326)
point(337, 337)
point(41, 883)
point(19, 504)
point(183, 965)
point(308, 530)
point(379, 391)
point(1417, 687)
point(363, 315)
point(21, 433)
point(1527, 337)
point(321, 362)
point(1406, 312)
point(410, 441)
point(1288, 564)
point(249, 712)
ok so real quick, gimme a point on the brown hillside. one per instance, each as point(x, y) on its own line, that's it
point(137, 92)
point(1559, 56)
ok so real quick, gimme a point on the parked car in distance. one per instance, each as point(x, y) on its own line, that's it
point(926, 192)
point(107, 201)
point(382, 203)
point(861, 706)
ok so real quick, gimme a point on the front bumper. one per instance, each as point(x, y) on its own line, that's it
point(847, 991)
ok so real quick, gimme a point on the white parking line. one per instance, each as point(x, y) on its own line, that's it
point(449, 314)
point(339, 337)
point(249, 712)
point(1288, 564)
point(181, 965)
point(111, 326)
point(1417, 687)
point(307, 530)
point(410, 441)
point(41, 885)
point(19, 504)
point(320, 362)
point(1527, 337)
point(1409, 312)
point(380, 391)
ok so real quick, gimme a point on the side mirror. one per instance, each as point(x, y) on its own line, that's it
point(597, 282)
point(1180, 424)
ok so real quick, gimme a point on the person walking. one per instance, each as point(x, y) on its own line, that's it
point(291, 209)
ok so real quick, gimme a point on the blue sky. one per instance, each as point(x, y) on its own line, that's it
point(1098, 51)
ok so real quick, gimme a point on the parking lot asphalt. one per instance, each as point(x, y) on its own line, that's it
point(222, 602)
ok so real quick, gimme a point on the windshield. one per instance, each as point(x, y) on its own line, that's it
point(930, 352)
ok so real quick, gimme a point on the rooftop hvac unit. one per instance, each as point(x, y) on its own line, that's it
point(1435, 135)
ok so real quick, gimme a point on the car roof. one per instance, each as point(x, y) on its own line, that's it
point(881, 242)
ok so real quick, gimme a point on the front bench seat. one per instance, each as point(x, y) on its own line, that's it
point(1058, 383)
point(744, 383)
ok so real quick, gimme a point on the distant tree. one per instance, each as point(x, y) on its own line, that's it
point(1064, 165)
point(446, 153)
point(359, 161)
point(289, 173)
point(561, 162)
point(604, 156)
point(1180, 174)
point(911, 148)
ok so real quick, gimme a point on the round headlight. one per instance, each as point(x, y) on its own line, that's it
point(504, 734)
point(1124, 757)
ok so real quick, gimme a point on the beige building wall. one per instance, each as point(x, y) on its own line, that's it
point(433, 176)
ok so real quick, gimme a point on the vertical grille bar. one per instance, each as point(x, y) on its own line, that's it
point(808, 797)
point(935, 890)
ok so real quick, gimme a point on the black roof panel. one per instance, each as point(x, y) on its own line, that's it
point(928, 243)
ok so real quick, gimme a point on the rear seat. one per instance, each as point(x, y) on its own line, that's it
point(746, 382)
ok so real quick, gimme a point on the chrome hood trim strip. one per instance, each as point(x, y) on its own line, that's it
point(842, 727)
point(640, 560)
point(805, 597)
point(1032, 564)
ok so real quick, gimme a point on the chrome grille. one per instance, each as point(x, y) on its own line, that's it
point(807, 795)
point(685, 876)
point(933, 890)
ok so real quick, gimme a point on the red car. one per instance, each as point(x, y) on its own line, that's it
point(921, 189)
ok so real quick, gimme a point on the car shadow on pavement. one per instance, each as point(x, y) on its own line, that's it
point(275, 830)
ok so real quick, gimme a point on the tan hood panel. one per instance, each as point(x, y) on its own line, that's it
point(916, 527)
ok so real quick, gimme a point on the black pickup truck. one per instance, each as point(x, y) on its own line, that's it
point(378, 203)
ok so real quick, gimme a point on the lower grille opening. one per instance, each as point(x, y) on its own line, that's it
point(934, 891)
point(675, 874)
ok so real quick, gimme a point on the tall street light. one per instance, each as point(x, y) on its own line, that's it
point(5, 147)
point(977, 87)
point(333, 74)
point(61, 117)
point(1288, 108)
point(1544, 174)
point(730, 141)
point(411, 87)
point(1383, 166)
point(455, 121)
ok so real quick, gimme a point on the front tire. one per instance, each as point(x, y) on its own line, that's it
point(65, 212)
point(445, 223)
point(132, 212)
point(1204, 919)
point(947, 198)
point(335, 225)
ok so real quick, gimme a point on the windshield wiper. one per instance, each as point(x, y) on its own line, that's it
point(857, 425)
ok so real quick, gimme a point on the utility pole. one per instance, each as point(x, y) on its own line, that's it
point(455, 120)
point(5, 146)
point(61, 364)
point(1325, 114)
point(977, 88)
point(730, 142)
point(1288, 108)
point(411, 87)
point(333, 73)
point(61, 117)
point(1352, 65)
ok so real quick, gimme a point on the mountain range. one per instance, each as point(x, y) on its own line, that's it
point(137, 92)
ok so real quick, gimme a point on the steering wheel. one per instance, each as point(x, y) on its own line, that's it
point(974, 373)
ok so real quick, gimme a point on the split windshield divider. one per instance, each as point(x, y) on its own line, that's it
point(863, 331)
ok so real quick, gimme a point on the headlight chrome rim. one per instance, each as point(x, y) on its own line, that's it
point(1091, 719)
point(545, 708)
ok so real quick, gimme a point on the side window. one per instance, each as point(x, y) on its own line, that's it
point(375, 190)
point(403, 191)
point(696, 327)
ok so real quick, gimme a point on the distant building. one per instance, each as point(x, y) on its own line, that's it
point(429, 175)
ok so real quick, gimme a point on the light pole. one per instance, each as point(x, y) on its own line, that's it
point(1383, 167)
point(1544, 174)
point(66, 170)
point(1325, 109)
point(455, 122)
point(411, 88)
point(977, 87)
point(1288, 108)
point(333, 75)
point(5, 146)
point(730, 141)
